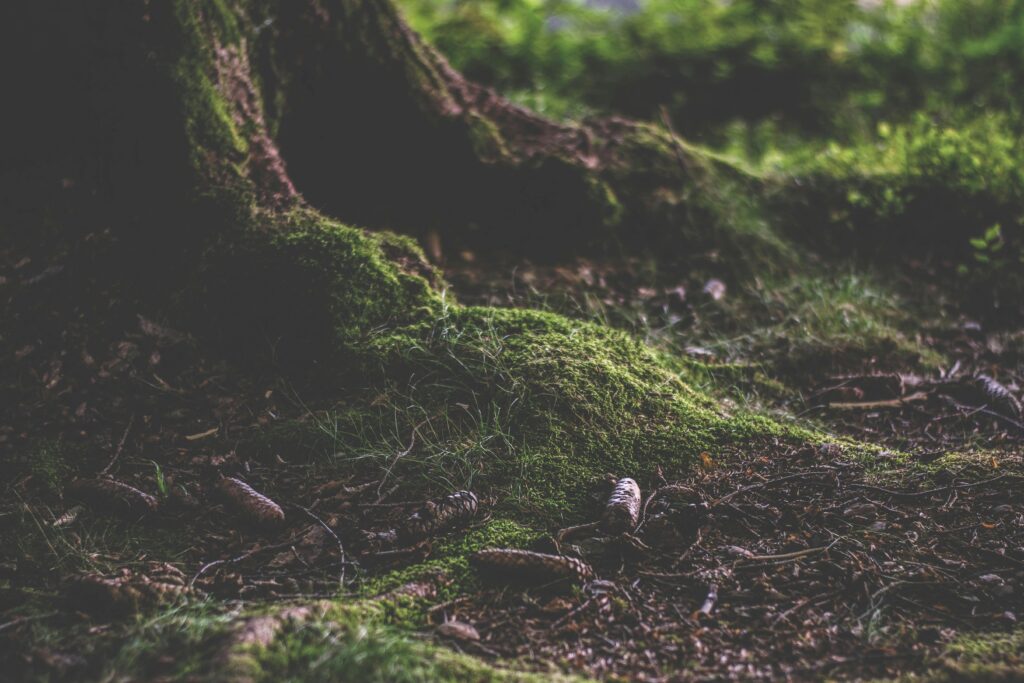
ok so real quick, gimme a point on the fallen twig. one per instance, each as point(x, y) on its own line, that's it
point(930, 492)
point(241, 558)
point(26, 619)
point(709, 602)
point(760, 485)
point(874, 405)
point(795, 555)
point(120, 447)
point(330, 531)
point(564, 534)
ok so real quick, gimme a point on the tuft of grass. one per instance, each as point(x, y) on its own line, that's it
point(178, 642)
point(50, 464)
point(815, 324)
point(161, 481)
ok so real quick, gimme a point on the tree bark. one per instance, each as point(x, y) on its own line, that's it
point(215, 137)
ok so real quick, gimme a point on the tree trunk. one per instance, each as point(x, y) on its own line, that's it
point(215, 137)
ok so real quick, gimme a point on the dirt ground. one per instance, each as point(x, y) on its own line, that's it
point(827, 561)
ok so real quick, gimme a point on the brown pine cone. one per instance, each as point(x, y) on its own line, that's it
point(113, 496)
point(622, 511)
point(97, 594)
point(525, 565)
point(438, 516)
point(998, 396)
point(250, 503)
point(124, 594)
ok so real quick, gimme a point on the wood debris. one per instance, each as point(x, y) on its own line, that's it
point(113, 496)
point(458, 630)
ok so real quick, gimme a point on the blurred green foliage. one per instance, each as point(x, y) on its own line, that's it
point(955, 189)
point(822, 68)
point(899, 120)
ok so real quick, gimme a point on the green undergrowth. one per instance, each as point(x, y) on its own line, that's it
point(48, 552)
point(366, 650)
point(343, 639)
point(953, 188)
point(976, 657)
point(741, 70)
point(527, 404)
point(815, 324)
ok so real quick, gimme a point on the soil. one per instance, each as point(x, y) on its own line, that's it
point(774, 563)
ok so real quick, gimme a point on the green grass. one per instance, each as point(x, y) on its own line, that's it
point(811, 325)
point(979, 657)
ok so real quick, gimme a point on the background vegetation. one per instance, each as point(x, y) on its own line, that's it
point(904, 115)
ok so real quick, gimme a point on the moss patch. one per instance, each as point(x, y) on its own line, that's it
point(450, 559)
point(982, 657)
point(537, 406)
point(356, 642)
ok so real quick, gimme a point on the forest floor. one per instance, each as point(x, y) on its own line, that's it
point(820, 561)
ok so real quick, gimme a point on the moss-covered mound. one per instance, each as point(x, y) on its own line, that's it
point(575, 400)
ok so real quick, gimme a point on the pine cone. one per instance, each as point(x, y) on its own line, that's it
point(622, 512)
point(164, 572)
point(113, 496)
point(525, 565)
point(251, 504)
point(160, 593)
point(96, 594)
point(437, 517)
point(126, 593)
point(998, 396)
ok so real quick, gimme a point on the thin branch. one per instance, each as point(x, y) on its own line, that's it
point(120, 447)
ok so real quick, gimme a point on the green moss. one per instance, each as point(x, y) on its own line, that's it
point(995, 656)
point(450, 558)
point(322, 286)
point(226, 23)
point(211, 133)
point(572, 401)
point(486, 140)
point(349, 274)
point(356, 643)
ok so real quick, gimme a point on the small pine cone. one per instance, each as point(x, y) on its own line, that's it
point(164, 572)
point(525, 565)
point(622, 511)
point(122, 595)
point(457, 507)
point(95, 594)
point(437, 517)
point(113, 496)
point(999, 397)
point(380, 538)
point(159, 592)
point(253, 505)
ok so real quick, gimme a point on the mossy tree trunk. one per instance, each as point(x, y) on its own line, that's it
point(217, 136)
point(216, 145)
